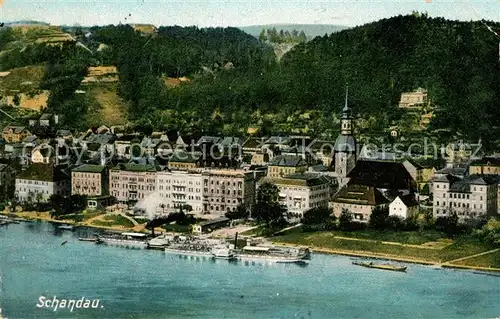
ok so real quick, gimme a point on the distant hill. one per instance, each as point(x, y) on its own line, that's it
point(26, 22)
point(311, 30)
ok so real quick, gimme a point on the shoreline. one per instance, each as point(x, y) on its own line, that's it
point(444, 265)
point(319, 250)
point(32, 216)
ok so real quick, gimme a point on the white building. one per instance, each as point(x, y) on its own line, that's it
point(178, 188)
point(404, 206)
point(40, 181)
point(469, 197)
point(300, 192)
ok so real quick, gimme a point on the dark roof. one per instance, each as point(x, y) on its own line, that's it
point(361, 195)
point(464, 185)
point(132, 167)
point(287, 160)
point(185, 157)
point(94, 147)
point(43, 172)
point(14, 128)
point(490, 161)
point(87, 168)
point(278, 140)
point(253, 142)
point(345, 143)
point(325, 146)
point(46, 116)
point(209, 139)
point(126, 138)
point(381, 174)
point(231, 141)
point(455, 171)
point(300, 179)
point(409, 200)
point(446, 179)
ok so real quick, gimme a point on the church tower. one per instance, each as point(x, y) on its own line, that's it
point(344, 151)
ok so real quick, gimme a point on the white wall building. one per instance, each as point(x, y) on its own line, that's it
point(300, 192)
point(177, 188)
point(404, 206)
point(41, 181)
point(469, 197)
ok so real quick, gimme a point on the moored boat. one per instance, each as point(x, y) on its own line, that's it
point(278, 254)
point(66, 227)
point(380, 266)
point(127, 240)
point(223, 253)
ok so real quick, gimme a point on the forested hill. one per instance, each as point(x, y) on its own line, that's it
point(236, 83)
point(458, 62)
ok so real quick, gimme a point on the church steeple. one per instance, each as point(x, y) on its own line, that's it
point(346, 116)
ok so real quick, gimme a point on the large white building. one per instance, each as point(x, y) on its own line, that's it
point(40, 181)
point(300, 192)
point(179, 188)
point(470, 197)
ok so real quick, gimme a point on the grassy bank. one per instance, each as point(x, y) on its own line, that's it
point(402, 245)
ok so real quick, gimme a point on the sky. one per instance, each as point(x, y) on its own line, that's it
point(204, 13)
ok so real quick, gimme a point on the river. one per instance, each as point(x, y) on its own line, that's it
point(151, 284)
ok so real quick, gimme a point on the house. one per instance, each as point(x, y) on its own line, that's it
point(31, 141)
point(420, 174)
point(283, 165)
point(322, 151)
point(300, 192)
point(132, 182)
point(15, 134)
point(225, 189)
point(43, 154)
point(211, 225)
point(468, 197)
point(40, 181)
point(7, 181)
point(90, 180)
point(48, 119)
point(149, 146)
point(359, 200)
point(405, 206)
point(252, 145)
point(485, 166)
point(179, 188)
point(301, 151)
point(415, 99)
point(184, 160)
point(123, 145)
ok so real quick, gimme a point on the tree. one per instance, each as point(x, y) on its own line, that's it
point(345, 220)
point(448, 224)
point(378, 217)
point(262, 36)
point(317, 215)
point(241, 212)
point(268, 210)
point(394, 223)
point(491, 232)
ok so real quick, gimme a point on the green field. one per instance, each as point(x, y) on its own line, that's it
point(462, 246)
point(113, 220)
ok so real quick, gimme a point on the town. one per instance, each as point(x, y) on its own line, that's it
point(212, 177)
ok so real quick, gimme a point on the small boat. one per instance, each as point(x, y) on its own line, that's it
point(223, 253)
point(92, 239)
point(66, 227)
point(380, 266)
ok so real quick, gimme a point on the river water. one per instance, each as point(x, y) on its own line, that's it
point(151, 284)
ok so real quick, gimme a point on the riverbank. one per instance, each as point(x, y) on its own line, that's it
point(364, 254)
point(464, 252)
point(45, 216)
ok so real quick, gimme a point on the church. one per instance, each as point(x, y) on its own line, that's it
point(364, 183)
